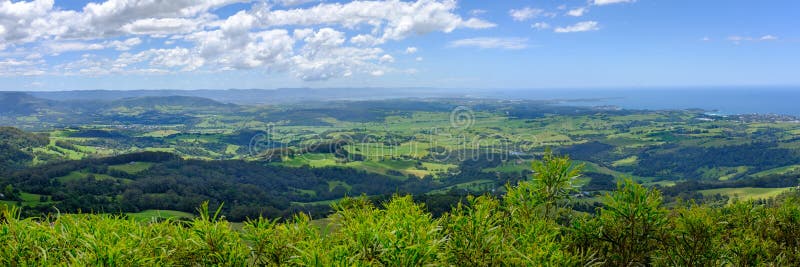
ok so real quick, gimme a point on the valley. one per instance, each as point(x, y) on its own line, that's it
point(131, 155)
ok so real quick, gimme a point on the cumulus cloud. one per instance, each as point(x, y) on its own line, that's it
point(397, 19)
point(316, 48)
point(608, 2)
point(583, 26)
point(174, 58)
point(411, 50)
point(164, 26)
point(491, 42)
point(365, 40)
point(293, 2)
point(577, 12)
point(478, 24)
point(15, 67)
point(56, 48)
point(540, 25)
point(124, 45)
point(23, 21)
point(116, 17)
point(525, 13)
point(30, 21)
point(387, 59)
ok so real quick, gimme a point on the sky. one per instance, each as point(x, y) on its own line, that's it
point(221, 44)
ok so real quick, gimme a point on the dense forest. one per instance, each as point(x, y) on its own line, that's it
point(533, 224)
point(250, 188)
point(16, 147)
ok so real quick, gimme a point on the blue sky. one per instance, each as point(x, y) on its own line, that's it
point(218, 44)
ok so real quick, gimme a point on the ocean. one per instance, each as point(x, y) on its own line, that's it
point(724, 101)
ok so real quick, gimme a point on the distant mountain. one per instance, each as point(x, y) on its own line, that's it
point(18, 103)
point(172, 101)
point(262, 96)
point(30, 112)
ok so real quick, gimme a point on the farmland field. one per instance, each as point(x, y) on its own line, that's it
point(306, 156)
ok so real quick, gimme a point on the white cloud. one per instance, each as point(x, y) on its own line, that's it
point(293, 2)
point(396, 19)
point(582, 26)
point(474, 23)
point(324, 57)
point(164, 26)
point(525, 13)
point(247, 50)
point(56, 48)
point(490, 42)
point(540, 26)
point(324, 38)
point(300, 34)
point(411, 50)
point(577, 12)
point(477, 12)
point(15, 67)
point(365, 40)
point(608, 2)
point(24, 21)
point(177, 57)
point(114, 17)
point(33, 56)
point(386, 59)
point(736, 39)
point(148, 61)
point(418, 59)
point(768, 38)
point(338, 62)
point(323, 41)
point(124, 45)
point(38, 19)
point(14, 63)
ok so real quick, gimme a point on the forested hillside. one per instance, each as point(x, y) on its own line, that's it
point(16, 147)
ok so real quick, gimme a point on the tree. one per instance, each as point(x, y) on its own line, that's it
point(552, 183)
point(631, 225)
point(9, 193)
point(694, 238)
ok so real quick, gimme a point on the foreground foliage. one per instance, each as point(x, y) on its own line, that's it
point(531, 225)
point(633, 229)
